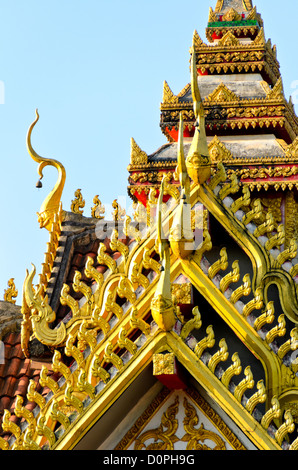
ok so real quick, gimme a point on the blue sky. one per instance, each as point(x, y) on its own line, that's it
point(95, 71)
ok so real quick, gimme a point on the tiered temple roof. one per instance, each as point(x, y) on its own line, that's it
point(177, 328)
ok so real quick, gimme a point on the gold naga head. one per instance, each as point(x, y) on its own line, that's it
point(198, 161)
point(51, 204)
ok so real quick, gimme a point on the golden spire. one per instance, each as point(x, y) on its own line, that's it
point(198, 161)
point(51, 204)
point(162, 307)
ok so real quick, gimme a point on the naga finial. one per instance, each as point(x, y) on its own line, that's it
point(198, 161)
point(38, 317)
point(162, 306)
point(181, 235)
point(51, 204)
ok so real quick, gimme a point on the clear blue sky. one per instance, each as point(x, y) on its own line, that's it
point(95, 70)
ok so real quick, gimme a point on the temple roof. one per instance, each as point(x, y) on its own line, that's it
point(194, 292)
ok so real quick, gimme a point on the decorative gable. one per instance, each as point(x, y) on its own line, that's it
point(180, 420)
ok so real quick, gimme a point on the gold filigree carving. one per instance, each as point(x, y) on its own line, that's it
point(229, 39)
point(182, 293)
point(11, 293)
point(164, 364)
point(78, 203)
point(207, 342)
point(232, 15)
point(196, 438)
point(212, 16)
point(168, 95)
point(222, 94)
point(165, 436)
point(98, 210)
point(194, 323)
point(137, 156)
point(220, 265)
point(118, 213)
point(218, 151)
point(42, 315)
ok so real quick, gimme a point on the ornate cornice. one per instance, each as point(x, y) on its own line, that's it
point(224, 109)
point(229, 55)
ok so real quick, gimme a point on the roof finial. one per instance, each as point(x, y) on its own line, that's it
point(51, 204)
point(162, 306)
point(181, 236)
point(198, 161)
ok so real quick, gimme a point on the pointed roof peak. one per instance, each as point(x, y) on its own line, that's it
point(240, 6)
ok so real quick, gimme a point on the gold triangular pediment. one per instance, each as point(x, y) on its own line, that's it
point(168, 95)
point(180, 420)
point(137, 156)
point(197, 40)
point(218, 151)
point(277, 92)
point(212, 16)
point(222, 94)
point(232, 15)
point(292, 149)
point(229, 39)
point(260, 39)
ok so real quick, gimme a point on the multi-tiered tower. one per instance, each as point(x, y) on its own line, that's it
point(176, 329)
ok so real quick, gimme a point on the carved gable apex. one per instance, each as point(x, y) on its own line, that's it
point(197, 40)
point(168, 95)
point(229, 40)
point(212, 16)
point(232, 15)
point(260, 39)
point(137, 156)
point(292, 149)
point(222, 94)
point(277, 92)
point(218, 151)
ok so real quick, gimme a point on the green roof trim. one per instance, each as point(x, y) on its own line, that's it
point(224, 24)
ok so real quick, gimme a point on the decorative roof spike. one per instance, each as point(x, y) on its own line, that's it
point(11, 292)
point(98, 210)
point(137, 155)
point(78, 203)
point(42, 315)
point(162, 306)
point(181, 237)
point(51, 204)
point(168, 95)
point(198, 161)
point(197, 40)
point(118, 213)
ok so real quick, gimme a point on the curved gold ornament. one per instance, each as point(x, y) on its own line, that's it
point(78, 203)
point(42, 315)
point(98, 210)
point(51, 204)
point(11, 292)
